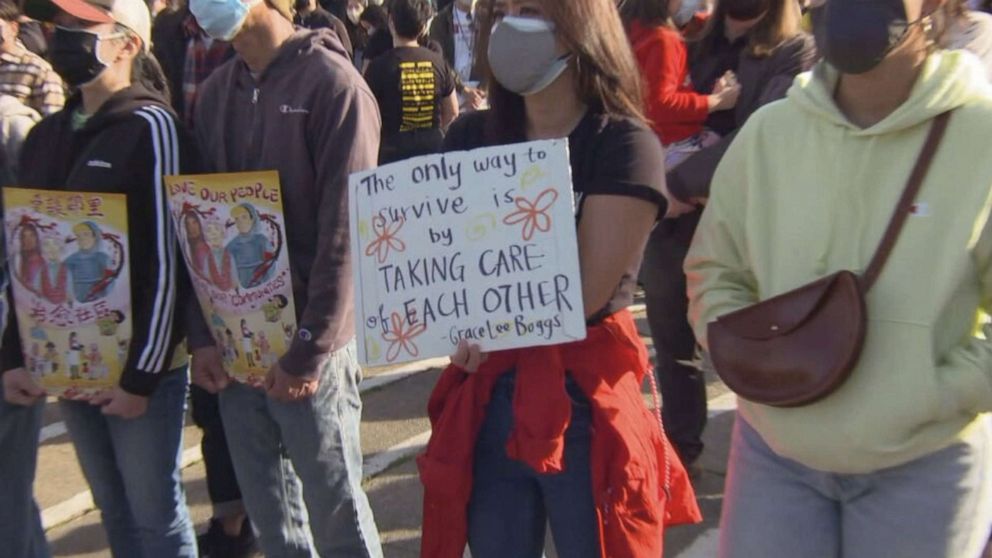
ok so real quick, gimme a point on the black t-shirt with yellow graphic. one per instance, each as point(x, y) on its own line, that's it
point(410, 83)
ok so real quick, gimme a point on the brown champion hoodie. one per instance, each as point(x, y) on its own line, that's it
point(311, 117)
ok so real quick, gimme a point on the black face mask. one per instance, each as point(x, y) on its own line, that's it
point(74, 56)
point(744, 10)
point(854, 36)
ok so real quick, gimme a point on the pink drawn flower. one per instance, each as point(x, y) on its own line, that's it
point(385, 239)
point(400, 339)
point(534, 215)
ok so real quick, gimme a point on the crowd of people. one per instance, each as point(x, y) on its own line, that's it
point(724, 154)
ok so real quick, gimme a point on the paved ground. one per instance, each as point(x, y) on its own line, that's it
point(394, 428)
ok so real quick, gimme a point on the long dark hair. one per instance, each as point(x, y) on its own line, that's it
point(781, 22)
point(651, 13)
point(607, 76)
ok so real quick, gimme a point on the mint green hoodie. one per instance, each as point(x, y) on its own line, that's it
point(802, 193)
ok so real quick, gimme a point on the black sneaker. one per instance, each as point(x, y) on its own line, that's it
point(215, 543)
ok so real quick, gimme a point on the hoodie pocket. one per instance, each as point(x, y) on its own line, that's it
point(897, 379)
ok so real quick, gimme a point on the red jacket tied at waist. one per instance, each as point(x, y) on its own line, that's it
point(628, 454)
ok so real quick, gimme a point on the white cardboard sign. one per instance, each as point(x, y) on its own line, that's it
point(477, 245)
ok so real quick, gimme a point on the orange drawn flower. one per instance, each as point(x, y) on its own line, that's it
point(385, 239)
point(400, 339)
point(534, 215)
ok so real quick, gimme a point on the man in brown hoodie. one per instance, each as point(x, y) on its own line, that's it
point(291, 101)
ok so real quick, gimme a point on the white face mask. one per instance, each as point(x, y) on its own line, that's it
point(523, 54)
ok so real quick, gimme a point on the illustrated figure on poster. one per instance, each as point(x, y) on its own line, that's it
point(74, 356)
point(231, 345)
point(265, 350)
point(197, 248)
point(247, 345)
point(122, 346)
point(54, 276)
point(221, 264)
point(108, 324)
point(98, 370)
point(205, 249)
point(90, 268)
point(30, 263)
point(288, 331)
point(50, 362)
point(252, 251)
point(273, 308)
point(34, 361)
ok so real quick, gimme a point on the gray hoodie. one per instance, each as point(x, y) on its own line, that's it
point(311, 117)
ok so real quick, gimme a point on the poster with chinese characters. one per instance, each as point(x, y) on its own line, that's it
point(477, 245)
point(68, 261)
point(233, 236)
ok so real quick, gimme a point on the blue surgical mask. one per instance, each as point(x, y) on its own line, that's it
point(686, 11)
point(221, 19)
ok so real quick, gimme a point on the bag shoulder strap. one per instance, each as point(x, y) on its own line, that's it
point(905, 206)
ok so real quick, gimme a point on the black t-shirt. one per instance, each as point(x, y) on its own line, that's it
point(410, 83)
point(705, 70)
point(609, 156)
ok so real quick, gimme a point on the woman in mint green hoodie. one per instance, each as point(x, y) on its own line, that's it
point(896, 461)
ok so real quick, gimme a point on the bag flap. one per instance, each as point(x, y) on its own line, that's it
point(784, 313)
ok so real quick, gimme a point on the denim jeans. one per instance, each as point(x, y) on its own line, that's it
point(299, 465)
point(133, 469)
point(511, 503)
point(938, 506)
point(21, 534)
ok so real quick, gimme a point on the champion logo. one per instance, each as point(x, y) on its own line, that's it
point(99, 163)
point(286, 109)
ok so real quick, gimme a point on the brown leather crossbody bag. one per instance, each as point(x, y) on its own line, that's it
point(800, 346)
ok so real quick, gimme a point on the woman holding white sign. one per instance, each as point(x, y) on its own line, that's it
point(560, 434)
point(109, 149)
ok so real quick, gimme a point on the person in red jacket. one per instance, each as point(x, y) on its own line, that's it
point(675, 110)
point(560, 434)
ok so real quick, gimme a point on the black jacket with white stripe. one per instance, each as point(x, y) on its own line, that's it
point(126, 147)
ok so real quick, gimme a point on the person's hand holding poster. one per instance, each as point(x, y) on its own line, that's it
point(477, 245)
point(68, 258)
point(233, 236)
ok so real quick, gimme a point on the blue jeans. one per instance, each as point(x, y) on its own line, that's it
point(938, 506)
point(132, 467)
point(511, 503)
point(21, 533)
point(300, 465)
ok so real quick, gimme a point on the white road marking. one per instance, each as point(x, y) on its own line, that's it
point(378, 463)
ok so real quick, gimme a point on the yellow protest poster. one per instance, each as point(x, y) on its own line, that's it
point(68, 257)
point(233, 236)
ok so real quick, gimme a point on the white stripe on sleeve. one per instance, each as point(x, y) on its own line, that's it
point(160, 330)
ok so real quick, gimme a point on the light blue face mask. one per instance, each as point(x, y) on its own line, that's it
point(688, 9)
point(221, 19)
